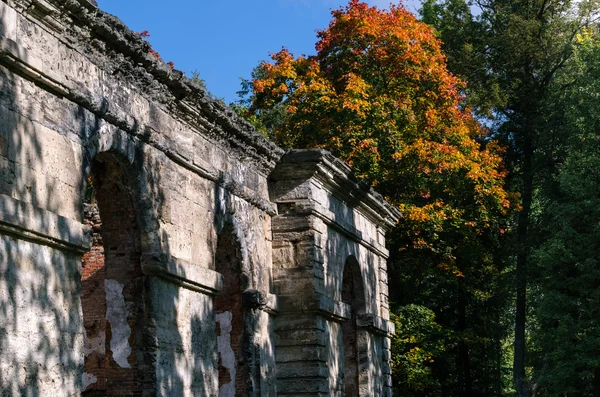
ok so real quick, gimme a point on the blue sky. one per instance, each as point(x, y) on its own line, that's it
point(224, 40)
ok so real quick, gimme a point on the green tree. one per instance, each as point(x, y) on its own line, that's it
point(568, 259)
point(569, 310)
point(418, 341)
point(510, 52)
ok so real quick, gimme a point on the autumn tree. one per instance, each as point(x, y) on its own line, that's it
point(378, 95)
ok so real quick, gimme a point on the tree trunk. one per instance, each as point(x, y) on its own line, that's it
point(463, 348)
point(519, 376)
point(597, 382)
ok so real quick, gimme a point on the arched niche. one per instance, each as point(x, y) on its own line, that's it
point(353, 294)
point(229, 315)
point(112, 282)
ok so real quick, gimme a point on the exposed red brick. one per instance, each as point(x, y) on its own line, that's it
point(227, 263)
point(115, 255)
point(350, 336)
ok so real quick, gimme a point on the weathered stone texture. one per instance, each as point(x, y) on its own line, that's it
point(327, 253)
point(129, 200)
point(41, 335)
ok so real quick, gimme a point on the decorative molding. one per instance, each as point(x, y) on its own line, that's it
point(47, 14)
point(80, 24)
point(25, 221)
point(21, 61)
point(196, 278)
point(316, 303)
point(337, 178)
point(309, 207)
point(375, 324)
point(176, 271)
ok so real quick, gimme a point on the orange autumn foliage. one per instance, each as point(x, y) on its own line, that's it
point(378, 95)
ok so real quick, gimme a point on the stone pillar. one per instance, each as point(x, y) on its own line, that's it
point(327, 220)
point(302, 350)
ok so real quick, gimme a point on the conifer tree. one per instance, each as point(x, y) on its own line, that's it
point(511, 52)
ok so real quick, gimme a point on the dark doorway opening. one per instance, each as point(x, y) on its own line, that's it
point(112, 284)
point(352, 294)
point(230, 317)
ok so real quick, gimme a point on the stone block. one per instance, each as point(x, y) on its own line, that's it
point(8, 22)
point(75, 84)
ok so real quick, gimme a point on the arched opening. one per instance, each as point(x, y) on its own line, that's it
point(352, 294)
point(230, 317)
point(111, 280)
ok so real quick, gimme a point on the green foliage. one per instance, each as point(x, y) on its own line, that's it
point(516, 56)
point(417, 343)
point(568, 260)
point(258, 123)
point(195, 77)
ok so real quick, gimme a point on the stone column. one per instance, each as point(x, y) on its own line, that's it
point(325, 217)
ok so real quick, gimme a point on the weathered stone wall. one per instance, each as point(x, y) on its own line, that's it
point(329, 232)
point(191, 202)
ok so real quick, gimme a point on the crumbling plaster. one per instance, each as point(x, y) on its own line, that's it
point(75, 84)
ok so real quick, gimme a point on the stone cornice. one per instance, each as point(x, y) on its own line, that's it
point(315, 303)
point(20, 60)
point(337, 177)
point(308, 207)
point(28, 222)
point(336, 311)
point(113, 47)
point(179, 271)
point(375, 324)
point(196, 278)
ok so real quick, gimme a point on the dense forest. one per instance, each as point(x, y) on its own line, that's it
point(480, 120)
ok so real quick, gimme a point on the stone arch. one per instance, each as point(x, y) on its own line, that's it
point(112, 281)
point(353, 294)
point(230, 317)
point(226, 220)
point(144, 174)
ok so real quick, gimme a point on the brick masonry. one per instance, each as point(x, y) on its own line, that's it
point(114, 260)
point(210, 263)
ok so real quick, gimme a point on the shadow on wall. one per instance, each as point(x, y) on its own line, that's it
point(112, 300)
point(40, 322)
point(353, 278)
point(229, 316)
point(181, 331)
point(164, 327)
point(353, 293)
point(238, 308)
point(339, 248)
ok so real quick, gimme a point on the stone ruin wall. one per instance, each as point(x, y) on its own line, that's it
point(153, 244)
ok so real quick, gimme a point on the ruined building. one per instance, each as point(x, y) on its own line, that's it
point(153, 244)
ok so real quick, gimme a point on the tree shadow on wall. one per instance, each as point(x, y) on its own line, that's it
point(41, 330)
point(45, 155)
point(352, 274)
point(174, 322)
point(243, 353)
point(181, 331)
point(40, 321)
